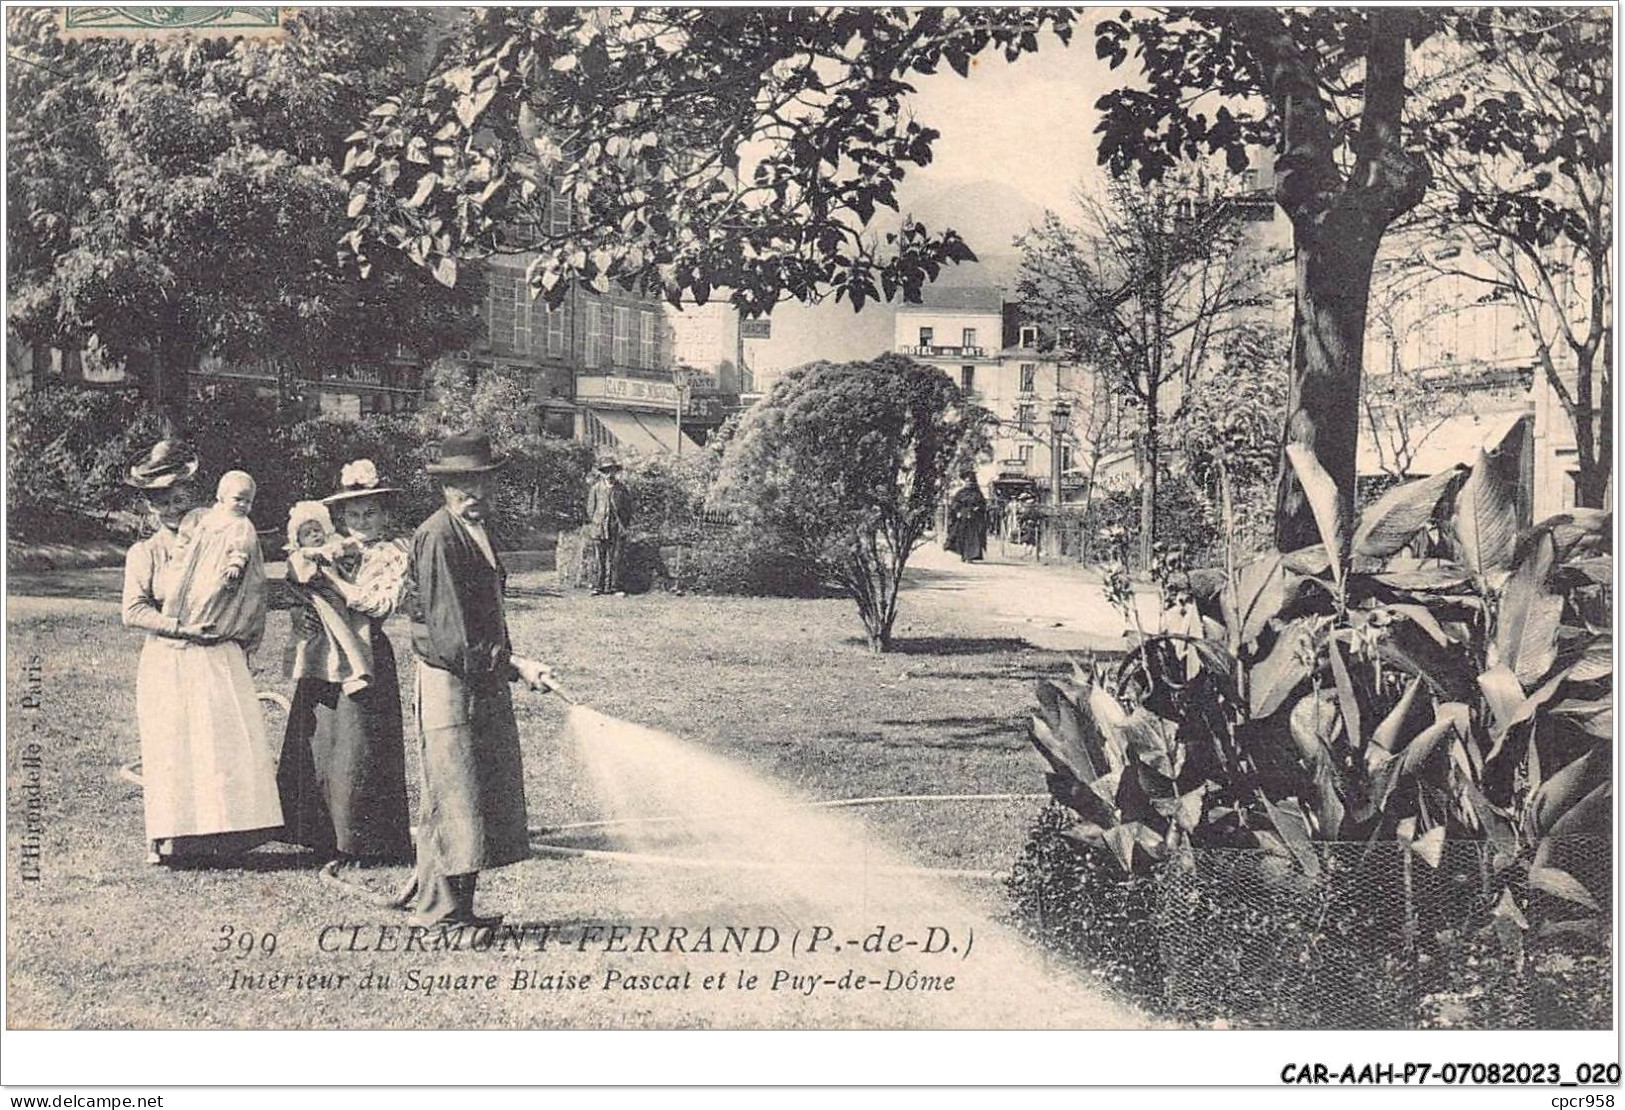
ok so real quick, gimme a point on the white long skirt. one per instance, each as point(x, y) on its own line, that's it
point(205, 764)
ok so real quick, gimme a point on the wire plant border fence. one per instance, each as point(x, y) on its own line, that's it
point(1379, 937)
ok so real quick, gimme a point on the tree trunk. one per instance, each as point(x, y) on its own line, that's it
point(169, 381)
point(1591, 483)
point(1333, 282)
point(1148, 483)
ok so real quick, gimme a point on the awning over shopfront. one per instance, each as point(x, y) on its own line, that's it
point(644, 432)
point(664, 430)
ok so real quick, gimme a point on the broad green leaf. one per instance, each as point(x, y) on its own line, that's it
point(1314, 723)
point(1551, 880)
point(1430, 846)
point(1324, 502)
point(1596, 662)
point(1346, 698)
point(1504, 694)
point(1530, 611)
point(1422, 575)
point(1113, 721)
point(1121, 840)
point(1423, 618)
point(1293, 826)
point(1595, 717)
point(1558, 794)
point(1190, 809)
point(1390, 735)
point(1078, 745)
point(1398, 515)
point(1329, 808)
point(1445, 670)
point(445, 271)
point(1260, 593)
point(358, 201)
point(1275, 676)
point(1450, 721)
point(1485, 523)
point(1311, 561)
point(1580, 532)
point(1591, 816)
point(1598, 568)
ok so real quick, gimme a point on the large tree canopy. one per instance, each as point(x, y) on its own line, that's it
point(175, 198)
point(1520, 130)
point(1326, 88)
point(674, 151)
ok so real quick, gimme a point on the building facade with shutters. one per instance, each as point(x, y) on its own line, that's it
point(976, 337)
point(598, 366)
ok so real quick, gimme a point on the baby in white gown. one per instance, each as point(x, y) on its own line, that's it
point(218, 572)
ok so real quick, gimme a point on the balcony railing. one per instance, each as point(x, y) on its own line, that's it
point(944, 352)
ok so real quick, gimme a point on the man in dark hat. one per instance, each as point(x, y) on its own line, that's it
point(609, 516)
point(472, 806)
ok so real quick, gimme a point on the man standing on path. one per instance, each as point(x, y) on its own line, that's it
point(609, 516)
point(471, 812)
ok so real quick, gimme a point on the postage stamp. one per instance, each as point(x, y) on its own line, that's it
point(159, 21)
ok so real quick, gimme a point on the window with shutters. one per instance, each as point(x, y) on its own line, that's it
point(646, 340)
point(555, 329)
point(504, 304)
point(558, 216)
point(521, 316)
point(968, 338)
point(967, 378)
point(1024, 418)
point(623, 336)
point(594, 353)
point(1029, 376)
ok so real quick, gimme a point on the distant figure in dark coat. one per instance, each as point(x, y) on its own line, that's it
point(609, 517)
point(967, 520)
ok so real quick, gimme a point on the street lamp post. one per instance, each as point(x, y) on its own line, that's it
point(1060, 420)
point(679, 378)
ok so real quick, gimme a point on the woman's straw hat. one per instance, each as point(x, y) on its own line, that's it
point(358, 479)
point(169, 462)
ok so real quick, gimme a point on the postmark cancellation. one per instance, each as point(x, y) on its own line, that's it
point(157, 21)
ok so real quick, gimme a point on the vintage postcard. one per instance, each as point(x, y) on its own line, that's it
point(783, 518)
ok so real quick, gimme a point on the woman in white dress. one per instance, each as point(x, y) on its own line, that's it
point(208, 776)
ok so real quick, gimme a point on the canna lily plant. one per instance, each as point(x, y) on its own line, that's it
point(1428, 674)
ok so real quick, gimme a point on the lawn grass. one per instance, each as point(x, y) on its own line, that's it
point(784, 687)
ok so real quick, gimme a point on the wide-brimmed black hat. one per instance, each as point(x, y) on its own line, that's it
point(464, 453)
point(168, 462)
point(358, 479)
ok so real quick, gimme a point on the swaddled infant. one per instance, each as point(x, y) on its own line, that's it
point(335, 649)
point(205, 583)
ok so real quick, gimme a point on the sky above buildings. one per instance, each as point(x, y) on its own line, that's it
point(1017, 138)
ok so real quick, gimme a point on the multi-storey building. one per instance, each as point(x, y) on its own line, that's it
point(977, 338)
point(597, 367)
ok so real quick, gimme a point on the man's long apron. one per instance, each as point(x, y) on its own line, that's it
point(472, 811)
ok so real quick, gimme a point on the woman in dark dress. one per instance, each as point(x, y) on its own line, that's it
point(967, 520)
point(342, 776)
